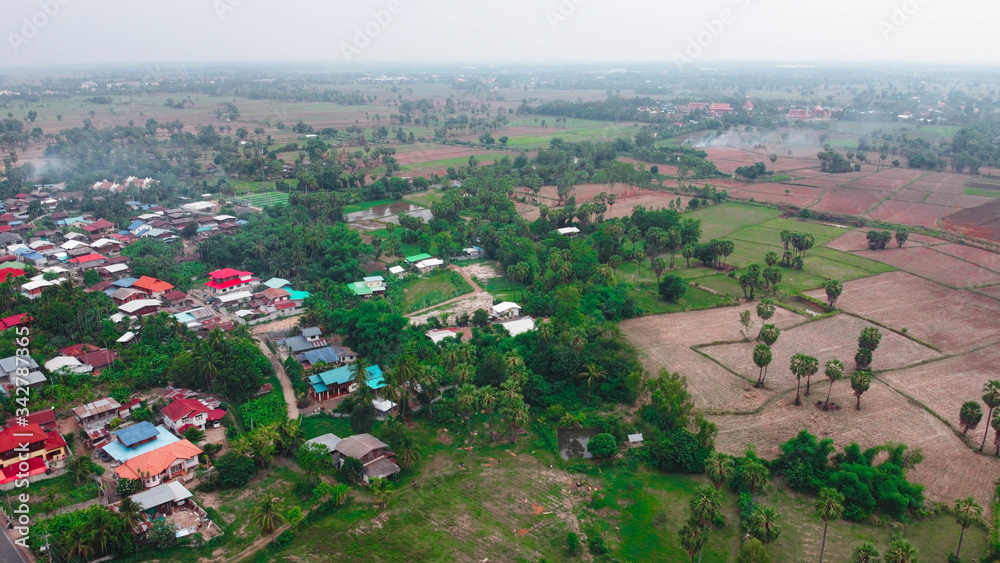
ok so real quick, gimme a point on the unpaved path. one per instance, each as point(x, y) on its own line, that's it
point(286, 384)
point(475, 290)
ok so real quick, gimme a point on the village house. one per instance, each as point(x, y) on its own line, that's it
point(228, 280)
point(373, 453)
point(140, 307)
point(88, 261)
point(311, 337)
point(183, 413)
point(428, 265)
point(10, 365)
point(138, 439)
point(44, 418)
point(337, 382)
point(68, 364)
point(568, 231)
point(42, 447)
point(176, 460)
point(505, 310)
point(125, 295)
point(153, 287)
point(101, 226)
point(369, 286)
point(14, 320)
point(100, 412)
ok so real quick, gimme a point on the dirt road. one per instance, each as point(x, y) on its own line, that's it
point(475, 291)
point(286, 384)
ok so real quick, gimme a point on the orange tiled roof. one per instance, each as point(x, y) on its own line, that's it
point(152, 285)
point(158, 460)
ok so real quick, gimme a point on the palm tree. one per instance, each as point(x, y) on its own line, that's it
point(99, 530)
point(991, 396)
point(359, 372)
point(755, 476)
point(901, 551)
point(763, 524)
point(266, 517)
point(834, 370)
point(995, 423)
point(381, 490)
point(705, 508)
point(830, 506)
point(130, 513)
point(865, 553)
point(769, 334)
point(488, 400)
point(802, 366)
point(719, 468)
point(80, 468)
point(463, 374)
point(407, 456)
point(761, 357)
point(466, 399)
point(969, 416)
point(79, 544)
point(592, 373)
point(967, 513)
point(833, 290)
point(861, 381)
point(693, 538)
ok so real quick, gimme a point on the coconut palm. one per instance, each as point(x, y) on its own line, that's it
point(901, 551)
point(592, 373)
point(991, 396)
point(762, 358)
point(80, 468)
point(833, 370)
point(693, 538)
point(381, 491)
point(266, 517)
point(130, 513)
point(463, 374)
point(865, 553)
point(719, 468)
point(99, 530)
point(359, 372)
point(967, 513)
point(830, 506)
point(969, 416)
point(407, 455)
point(763, 524)
point(79, 544)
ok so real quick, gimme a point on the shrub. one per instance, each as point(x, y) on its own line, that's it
point(128, 487)
point(672, 288)
point(596, 546)
point(603, 446)
point(234, 470)
point(572, 543)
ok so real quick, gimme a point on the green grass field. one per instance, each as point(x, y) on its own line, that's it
point(431, 290)
point(969, 190)
point(425, 198)
point(449, 162)
point(265, 199)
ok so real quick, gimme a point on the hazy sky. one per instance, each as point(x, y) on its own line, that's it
point(479, 31)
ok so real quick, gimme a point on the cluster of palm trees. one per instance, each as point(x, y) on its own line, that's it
point(971, 414)
point(761, 524)
point(804, 366)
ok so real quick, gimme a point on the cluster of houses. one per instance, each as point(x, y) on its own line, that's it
point(420, 263)
point(79, 358)
point(377, 460)
point(38, 435)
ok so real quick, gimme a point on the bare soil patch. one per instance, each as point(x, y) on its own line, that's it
point(952, 320)
point(849, 201)
point(827, 339)
point(950, 470)
point(911, 213)
point(664, 342)
point(936, 266)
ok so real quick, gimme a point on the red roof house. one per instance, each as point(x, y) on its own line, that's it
point(152, 286)
point(229, 279)
point(14, 320)
point(99, 226)
point(183, 412)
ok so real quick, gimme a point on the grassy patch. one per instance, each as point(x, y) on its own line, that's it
point(66, 491)
point(355, 207)
point(652, 304)
point(504, 289)
point(265, 199)
point(424, 199)
point(718, 221)
point(982, 191)
point(428, 291)
point(320, 424)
